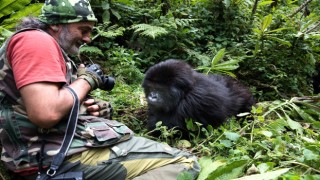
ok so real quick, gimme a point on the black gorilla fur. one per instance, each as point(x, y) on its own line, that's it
point(175, 92)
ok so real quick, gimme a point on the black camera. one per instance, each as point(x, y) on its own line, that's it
point(108, 82)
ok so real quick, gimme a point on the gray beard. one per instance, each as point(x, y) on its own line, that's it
point(65, 41)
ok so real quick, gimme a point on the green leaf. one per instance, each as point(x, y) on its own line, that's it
point(227, 3)
point(281, 41)
point(256, 30)
point(91, 49)
point(309, 140)
point(314, 36)
point(105, 16)
point(266, 22)
point(310, 23)
point(116, 14)
point(228, 73)
point(33, 9)
point(185, 176)
point(276, 30)
point(294, 125)
point(207, 166)
point(263, 167)
point(278, 126)
point(232, 136)
point(229, 171)
point(10, 6)
point(266, 133)
point(112, 32)
point(105, 5)
point(149, 30)
point(190, 124)
point(183, 144)
point(269, 175)
point(5, 33)
point(303, 114)
point(309, 155)
point(226, 67)
point(256, 48)
point(263, 3)
point(228, 63)
point(226, 143)
point(218, 56)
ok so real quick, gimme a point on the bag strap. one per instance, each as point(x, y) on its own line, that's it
point(70, 130)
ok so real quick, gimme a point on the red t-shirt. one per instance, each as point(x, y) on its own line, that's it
point(35, 56)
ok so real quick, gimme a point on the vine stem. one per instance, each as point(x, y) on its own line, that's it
point(299, 8)
point(2, 176)
point(251, 134)
point(312, 29)
point(304, 165)
point(280, 105)
point(254, 9)
point(209, 138)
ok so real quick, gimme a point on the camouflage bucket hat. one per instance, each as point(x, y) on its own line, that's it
point(66, 11)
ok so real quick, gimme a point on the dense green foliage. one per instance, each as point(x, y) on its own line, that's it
point(271, 45)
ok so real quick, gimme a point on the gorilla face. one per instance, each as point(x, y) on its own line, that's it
point(162, 97)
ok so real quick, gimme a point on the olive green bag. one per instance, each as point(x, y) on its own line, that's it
point(102, 132)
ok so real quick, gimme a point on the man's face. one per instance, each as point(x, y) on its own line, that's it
point(74, 35)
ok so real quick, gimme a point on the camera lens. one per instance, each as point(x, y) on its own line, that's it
point(109, 83)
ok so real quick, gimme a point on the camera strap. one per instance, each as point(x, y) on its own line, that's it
point(67, 140)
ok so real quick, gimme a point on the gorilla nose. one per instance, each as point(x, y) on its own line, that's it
point(153, 96)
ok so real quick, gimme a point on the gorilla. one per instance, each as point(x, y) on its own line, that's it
point(175, 92)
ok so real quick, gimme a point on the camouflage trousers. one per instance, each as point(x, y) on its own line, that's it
point(138, 158)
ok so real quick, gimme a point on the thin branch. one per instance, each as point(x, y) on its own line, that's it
point(300, 8)
point(306, 166)
point(254, 8)
point(2, 177)
point(312, 29)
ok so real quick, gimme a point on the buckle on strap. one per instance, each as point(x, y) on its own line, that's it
point(51, 172)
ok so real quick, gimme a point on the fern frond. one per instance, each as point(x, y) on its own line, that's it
point(149, 30)
point(184, 22)
point(33, 9)
point(107, 31)
point(9, 6)
point(113, 32)
point(91, 50)
point(200, 57)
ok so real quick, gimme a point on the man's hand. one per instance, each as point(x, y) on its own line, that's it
point(91, 108)
point(97, 107)
point(95, 77)
point(92, 74)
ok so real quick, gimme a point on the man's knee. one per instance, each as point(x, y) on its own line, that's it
point(168, 172)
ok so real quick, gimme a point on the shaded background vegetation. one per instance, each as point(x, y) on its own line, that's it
point(273, 46)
